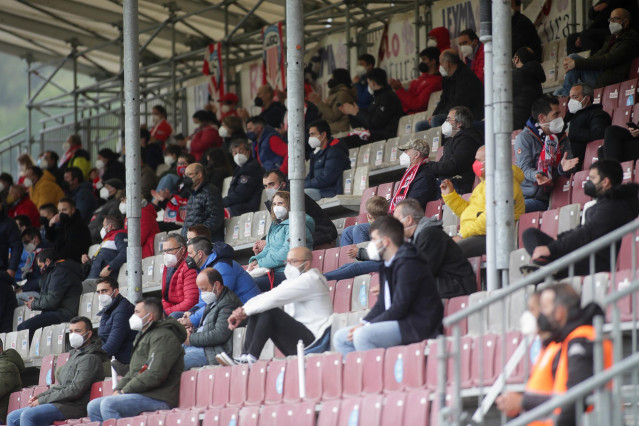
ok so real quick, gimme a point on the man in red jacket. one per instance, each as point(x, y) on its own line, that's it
point(416, 98)
point(148, 226)
point(471, 51)
point(20, 204)
point(179, 291)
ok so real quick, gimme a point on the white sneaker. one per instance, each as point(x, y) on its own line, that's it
point(225, 359)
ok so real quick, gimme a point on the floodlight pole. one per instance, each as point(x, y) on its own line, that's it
point(132, 145)
point(296, 134)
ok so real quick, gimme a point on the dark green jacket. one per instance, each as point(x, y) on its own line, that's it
point(60, 290)
point(214, 334)
point(157, 362)
point(614, 62)
point(71, 393)
point(11, 365)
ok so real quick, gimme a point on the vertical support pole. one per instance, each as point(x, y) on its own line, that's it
point(227, 50)
point(121, 74)
point(76, 123)
point(573, 17)
point(132, 144)
point(29, 110)
point(417, 24)
point(173, 71)
point(503, 123)
point(348, 37)
point(296, 135)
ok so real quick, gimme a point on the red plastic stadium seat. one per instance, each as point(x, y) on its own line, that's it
point(256, 384)
point(578, 195)
point(204, 388)
point(434, 208)
point(624, 257)
point(610, 98)
point(370, 412)
point(597, 98)
point(432, 364)
point(297, 414)
point(343, 294)
point(26, 395)
point(635, 112)
point(634, 70)
point(415, 365)
point(329, 413)
point(350, 221)
point(368, 193)
point(129, 421)
point(313, 378)
point(39, 389)
point(332, 376)
point(627, 93)
point(467, 354)
point(385, 190)
point(622, 115)
point(394, 409)
point(550, 222)
point(623, 279)
point(268, 415)
point(457, 304)
point(344, 258)
point(561, 192)
point(628, 168)
point(395, 363)
point(592, 154)
point(373, 288)
point(355, 381)
point(211, 417)
point(563, 105)
point(331, 259)
point(188, 389)
point(331, 289)
point(182, 418)
point(274, 385)
point(318, 259)
point(484, 374)
point(475, 262)
point(361, 218)
point(61, 361)
point(528, 220)
point(249, 416)
point(349, 411)
point(513, 339)
point(440, 153)
point(221, 386)
point(47, 371)
point(229, 416)
point(156, 419)
point(291, 382)
point(417, 414)
point(14, 401)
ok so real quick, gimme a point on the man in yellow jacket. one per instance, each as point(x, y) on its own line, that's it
point(472, 213)
point(42, 187)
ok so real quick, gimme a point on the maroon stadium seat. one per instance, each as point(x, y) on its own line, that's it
point(434, 208)
point(395, 368)
point(229, 416)
point(432, 364)
point(578, 195)
point(329, 413)
point(256, 384)
point(343, 294)
point(221, 386)
point(628, 168)
point(61, 361)
point(129, 421)
point(597, 98)
point(457, 304)
point(418, 401)
point(368, 193)
point(268, 415)
point(484, 374)
point(313, 378)
point(332, 379)
point(331, 289)
point(47, 371)
point(350, 411)
point(274, 385)
point(561, 192)
point(394, 409)
point(372, 288)
point(624, 257)
point(291, 382)
point(528, 220)
point(239, 383)
point(188, 387)
point(331, 259)
point(622, 115)
point(592, 154)
point(318, 259)
point(344, 258)
point(466, 361)
point(415, 365)
point(623, 279)
point(627, 93)
point(182, 418)
point(370, 412)
point(385, 190)
point(14, 401)
point(211, 417)
point(550, 222)
point(634, 71)
point(350, 221)
point(610, 98)
point(249, 416)
point(156, 419)
point(204, 387)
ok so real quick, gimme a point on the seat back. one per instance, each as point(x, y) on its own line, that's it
point(22, 343)
point(561, 192)
point(628, 171)
point(238, 386)
point(528, 220)
point(360, 180)
point(158, 242)
point(232, 231)
point(59, 344)
point(343, 294)
point(433, 137)
point(366, 194)
point(391, 153)
point(188, 388)
point(622, 115)
point(256, 384)
point(592, 154)
point(246, 228)
point(550, 222)
point(86, 305)
point(347, 184)
point(434, 208)
point(517, 258)
point(331, 259)
point(597, 96)
point(18, 316)
point(226, 184)
point(364, 155)
point(147, 271)
point(405, 126)
point(47, 371)
point(359, 295)
point(377, 153)
point(578, 182)
point(261, 224)
point(610, 98)
point(34, 348)
point(352, 156)
point(274, 385)
point(433, 100)
point(568, 217)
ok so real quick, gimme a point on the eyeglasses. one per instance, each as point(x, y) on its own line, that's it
point(616, 20)
point(295, 261)
point(171, 250)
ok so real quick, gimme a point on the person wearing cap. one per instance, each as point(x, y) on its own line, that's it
point(229, 105)
point(110, 194)
point(418, 181)
point(110, 166)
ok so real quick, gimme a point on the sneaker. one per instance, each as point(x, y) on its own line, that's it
point(528, 269)
point(225, 359)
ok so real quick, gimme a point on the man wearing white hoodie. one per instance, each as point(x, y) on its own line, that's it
point(307, 313)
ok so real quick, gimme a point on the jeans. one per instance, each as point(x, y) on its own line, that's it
point(473, 246)
point(351, 270)
point(24, 296)
point(371, 336)
point(315, 194)
point(576, 75)
point(280, 327)
point(356, 234)
point(40, 321)
point(119, 406)
point(535, 205)
point(264, 284)
point(176, 314)
point(435, 121)
point(194, 357)
point(44, 414)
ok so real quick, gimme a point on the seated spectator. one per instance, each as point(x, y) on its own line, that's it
point(219, 256)
point(11, 367)
point(20, 204)
point(42, 186)
point(75, 156)
point(471, 51)
point(459, 150)
point(272, 111)
point(33, 244)
point(23, 223)
point(106, 262)
point(114, 330)
point(151, 153)
point(149, 226)
point(6, 180)
point(365, 64)
point(148, 179)
point(300, 308)
point(525, 34)
point(170, 207)
point(245, 191)
point(81, 192)
point(541, 152)
point(419, 180)
point(229, 104)
point(109, 164)
point(205, 136)
point(8, 304)
point(47, 212)
point(439, 37)
point(205, 203)
point(68, 398)
point(213, 337)
point(218, 166)
point(340, 91)
point(232, 128)
point(268, 147)
point(148, 386)
point(415, 98)
point(112, 192)
point(616, 205)
point(449, 265)
point(376, 207)
point(325, 232)
point(620, 144)
point(587, 122)
point(179, 290)
point(161, 130)
point(49, 160)
point(382, 117)
point(472, 213)
point(327, 163)
point(24, 162)
point(171, 154)
point(608, 65)
point(60, 291)
point(10, 242)
point(460, 87)
point(67, 232)
point(592, 37)
point(408, 308)
point(528, 75)
point(273, 255)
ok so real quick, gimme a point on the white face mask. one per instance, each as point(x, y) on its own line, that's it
point(314, 142)
point(466, 50)
point(66, 146)
point(447, 129)
point(240, 159)
point(528, 323)
point(28, 183)
point(280, 212)
point(105, 300)
point(104, 194)
point(209, 297)
point(169, 160)
point(431, 43)
point(122, 208)
point(224, 132)
point(373, 252)
point(574, 105)
point(136, 323)
point(99, 164)
point(404, 160)
point(170, 260)
point(225, 108)
point(360, 70)
point(555, 126)
point(615, 27)
point(443, 71)
point(77, 340)
point(291, 272)
point(103, 232)
point(29, 248)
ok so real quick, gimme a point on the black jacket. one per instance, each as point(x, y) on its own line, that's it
point(70, 239)
point(424, 187)
point(114, 170)
point(85, 201)
point(618, 206)
point(245, 190)
point(458, 159)
point(463, 88)
point(526, 34)
point(382, 117)
point(60, 290)
point(274, 115)
point(8, 302)
point(526, 90)
point(452, 272)
point(114, 331)
point(10, 239)
point(205, 208)
point(415, 303)
point(586, 125)
point(326, 169)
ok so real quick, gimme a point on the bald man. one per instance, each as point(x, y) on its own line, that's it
point(205, 206)
point(306, 314)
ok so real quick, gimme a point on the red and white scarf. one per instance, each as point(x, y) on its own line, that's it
point(550, 156)
point(404, 185)
point(68, 155)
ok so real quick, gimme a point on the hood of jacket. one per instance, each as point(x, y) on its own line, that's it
point(427, 222)
point(69, 267)
point(407, 251)
point(220, 251)
point(46, 177)
point(171, 325)
point(13, 357)
point(343, 88)
point(534, 71)
point(337, 144)
point(628, 191)
point(473, 134)
point(583, 317)
point(95, 348)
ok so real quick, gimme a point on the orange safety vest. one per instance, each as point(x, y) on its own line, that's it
point(542, 380)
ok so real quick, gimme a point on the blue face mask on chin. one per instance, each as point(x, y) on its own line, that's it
point(251, 135)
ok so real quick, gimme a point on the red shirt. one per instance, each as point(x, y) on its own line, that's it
point(203, 140)
point(26, 207)
point(415, 99)
point(162, 131)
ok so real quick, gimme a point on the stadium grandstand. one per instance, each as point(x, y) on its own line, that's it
point(321, 212)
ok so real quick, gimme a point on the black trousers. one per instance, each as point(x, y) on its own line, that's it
point(473, 246)
point(533, 238)
point(42, 320)
point(619, 145)
point(280, 327)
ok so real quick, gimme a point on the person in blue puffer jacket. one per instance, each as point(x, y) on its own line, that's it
point(273, 255)
point(328, 162)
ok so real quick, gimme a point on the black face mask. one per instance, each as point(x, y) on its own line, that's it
point(423, 67)
point(590, 189)
point(44, 220)
point(191, 263)
point(544, 324)
point(259, 101)
point(188, 182)
point(45, 269)
point(331, 83)
point(64, 217)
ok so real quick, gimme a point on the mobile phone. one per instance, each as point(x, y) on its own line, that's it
point(632, 125)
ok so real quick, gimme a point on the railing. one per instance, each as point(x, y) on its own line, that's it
point(11, 146)
point(452, 400)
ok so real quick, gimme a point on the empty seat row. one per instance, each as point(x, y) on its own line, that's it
point(247, 228)
point(354, 294)
point(21, 314)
